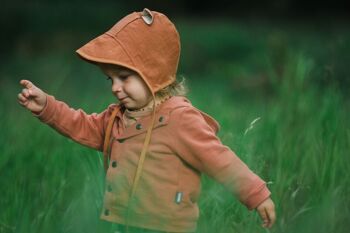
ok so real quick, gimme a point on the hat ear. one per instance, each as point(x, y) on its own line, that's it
point(147, 16)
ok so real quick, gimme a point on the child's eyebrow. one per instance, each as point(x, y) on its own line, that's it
point(125, 72)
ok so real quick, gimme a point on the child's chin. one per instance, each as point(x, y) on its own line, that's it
point(130, 107)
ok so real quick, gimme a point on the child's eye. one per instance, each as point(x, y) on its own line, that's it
point(109, 78)
point(123, 77)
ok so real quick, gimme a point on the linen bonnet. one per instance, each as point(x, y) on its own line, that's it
point(146, 42)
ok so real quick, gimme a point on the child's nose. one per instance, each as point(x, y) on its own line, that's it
point(116, 87)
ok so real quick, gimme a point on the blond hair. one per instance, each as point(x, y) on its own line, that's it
point(177, 88)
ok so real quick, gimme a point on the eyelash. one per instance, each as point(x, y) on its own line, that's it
point(121, 77)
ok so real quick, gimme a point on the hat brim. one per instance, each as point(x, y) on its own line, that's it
point(105, 49)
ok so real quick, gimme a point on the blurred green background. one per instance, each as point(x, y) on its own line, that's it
point(275, 74)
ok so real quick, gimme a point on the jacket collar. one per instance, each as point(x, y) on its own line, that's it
point(162, 118)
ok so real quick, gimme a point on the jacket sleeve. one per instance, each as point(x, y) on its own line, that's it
point(85, 129)
point(197, 144)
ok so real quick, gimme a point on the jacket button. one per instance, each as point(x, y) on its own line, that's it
point(114, 164)
point(139, 126)
point(109, 188)
point(106, 212)
point(121, 140)
point(161, 118)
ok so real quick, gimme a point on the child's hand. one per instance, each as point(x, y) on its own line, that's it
point(266, 211)
point(32, 97)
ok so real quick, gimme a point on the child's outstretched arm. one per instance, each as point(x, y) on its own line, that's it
point(197, 144)
point(86, 129)
point(266, 210)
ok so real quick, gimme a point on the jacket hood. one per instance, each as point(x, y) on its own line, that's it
point(181, 101)
point(211, 122)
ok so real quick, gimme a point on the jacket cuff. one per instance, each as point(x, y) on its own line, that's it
point(48, 111)
point(255, 199)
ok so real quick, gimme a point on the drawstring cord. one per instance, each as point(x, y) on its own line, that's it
point(106, 149)
point(106, 153)
point(140, 163)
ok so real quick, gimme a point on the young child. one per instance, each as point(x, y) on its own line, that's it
point(155, 143)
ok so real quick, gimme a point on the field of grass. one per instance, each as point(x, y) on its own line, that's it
point(290, 81)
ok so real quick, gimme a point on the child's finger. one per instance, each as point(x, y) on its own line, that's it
point(272, 216)
point(25, 93)
point(21, 97)
point(24, 104)
point(26, 83)
point(267, 222)
point(22, 100)
point(264, 217)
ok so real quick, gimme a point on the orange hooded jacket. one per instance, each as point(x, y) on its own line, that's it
point(184, 144)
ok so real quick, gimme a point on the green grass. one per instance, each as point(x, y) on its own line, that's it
point(299, 145)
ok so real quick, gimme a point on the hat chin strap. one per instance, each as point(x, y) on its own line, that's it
point(106, 152)
point(141, 161)
point(106, 144)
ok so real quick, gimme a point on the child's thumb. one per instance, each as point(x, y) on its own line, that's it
point(27, 84)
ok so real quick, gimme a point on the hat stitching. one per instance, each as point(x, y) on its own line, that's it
point(116, 33)
point(121, 45)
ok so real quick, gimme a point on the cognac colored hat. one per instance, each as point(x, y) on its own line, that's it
point(146, 42)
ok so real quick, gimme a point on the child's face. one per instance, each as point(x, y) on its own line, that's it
point(127, 86)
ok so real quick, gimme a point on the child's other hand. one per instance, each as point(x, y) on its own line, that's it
point(32, 97)
point(266, 210)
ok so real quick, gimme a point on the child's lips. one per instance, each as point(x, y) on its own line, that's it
point(121, 99)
